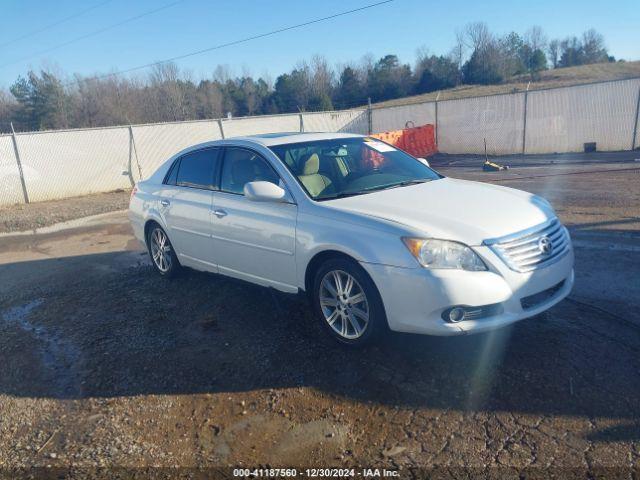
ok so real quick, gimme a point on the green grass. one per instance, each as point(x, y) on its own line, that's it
point(560, 77)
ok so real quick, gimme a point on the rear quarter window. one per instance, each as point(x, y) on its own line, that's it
point(172, 174)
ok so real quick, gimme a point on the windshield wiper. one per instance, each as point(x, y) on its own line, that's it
point(396, 185)
point(374, 189)
point(341, 195)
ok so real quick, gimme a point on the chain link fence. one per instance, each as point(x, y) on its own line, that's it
point(10, 185)
point(397, 118)
point(564, 119)
point(463, 125)
point(50, 165)
point(152, 144)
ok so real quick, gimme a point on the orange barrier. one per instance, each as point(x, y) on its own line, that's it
point(417, 141)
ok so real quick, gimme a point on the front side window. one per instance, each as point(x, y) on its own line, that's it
point(196, 169)
point(243, 166)
point(351, 166)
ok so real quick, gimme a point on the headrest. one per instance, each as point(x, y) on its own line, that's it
point(312, 165)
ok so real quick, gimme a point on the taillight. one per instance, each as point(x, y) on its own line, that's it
point(134, 190)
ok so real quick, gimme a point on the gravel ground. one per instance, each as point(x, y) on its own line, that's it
point(107, 365)
point(21, 217)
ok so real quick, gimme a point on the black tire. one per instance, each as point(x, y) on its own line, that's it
point(170, 267)
point(377, 321)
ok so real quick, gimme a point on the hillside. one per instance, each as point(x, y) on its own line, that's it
point(559, 77)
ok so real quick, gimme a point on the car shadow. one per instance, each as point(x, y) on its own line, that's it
point(126, 332)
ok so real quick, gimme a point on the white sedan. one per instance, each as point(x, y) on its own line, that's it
point(374, 236)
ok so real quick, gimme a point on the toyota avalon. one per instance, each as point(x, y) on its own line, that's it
point(375, 237)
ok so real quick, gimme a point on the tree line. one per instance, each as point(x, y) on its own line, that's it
point(48, 100)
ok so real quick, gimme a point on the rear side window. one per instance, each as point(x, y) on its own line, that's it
point(197, 169)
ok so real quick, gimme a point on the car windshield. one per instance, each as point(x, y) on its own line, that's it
point(344, 167)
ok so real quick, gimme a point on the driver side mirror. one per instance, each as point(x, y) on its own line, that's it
point(425, 161)
point(264, 192)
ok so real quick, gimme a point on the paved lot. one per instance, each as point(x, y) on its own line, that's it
point(104, 363)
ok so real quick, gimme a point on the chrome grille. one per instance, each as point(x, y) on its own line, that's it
point(533, 248)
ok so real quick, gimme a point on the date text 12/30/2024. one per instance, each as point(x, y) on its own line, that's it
point(315, 473)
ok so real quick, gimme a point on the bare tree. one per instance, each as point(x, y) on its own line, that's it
point(535, 38)
point(7, 104)
point(553, 50)
point(222, 73)
point(593, 47)
point(477, 36)
point(169, 98)
point(321, 76)
point(210, 100)
point(457, 54)
point(365, 66)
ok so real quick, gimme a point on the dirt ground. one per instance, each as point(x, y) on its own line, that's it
point(36, 215)
point(103, 364)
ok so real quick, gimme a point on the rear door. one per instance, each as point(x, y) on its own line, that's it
point(186, 203)
point(254, 241)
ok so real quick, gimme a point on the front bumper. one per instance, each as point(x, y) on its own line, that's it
point(415, 298)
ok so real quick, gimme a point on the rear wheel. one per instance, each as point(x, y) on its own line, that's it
point(347, 302)
point(163, 256)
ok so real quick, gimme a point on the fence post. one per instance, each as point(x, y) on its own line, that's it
point(635, 125)
point(370, 116)
point(130, 163)
point(301, 122)
point(20, 171)
point(221, 128)
point(437, 97)
point(524, 125)
point(133, 151)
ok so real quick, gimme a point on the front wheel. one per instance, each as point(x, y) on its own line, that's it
point(163, 256)
point(347, 302)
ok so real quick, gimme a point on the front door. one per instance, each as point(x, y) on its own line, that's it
point(254, 241)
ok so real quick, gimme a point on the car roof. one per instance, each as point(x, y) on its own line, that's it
point(271, 139)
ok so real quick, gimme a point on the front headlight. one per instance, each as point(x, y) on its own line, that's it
point(432, 253)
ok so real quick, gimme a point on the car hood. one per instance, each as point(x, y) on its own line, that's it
point(460, 210)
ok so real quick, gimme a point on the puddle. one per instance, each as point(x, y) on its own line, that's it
point(57, 354)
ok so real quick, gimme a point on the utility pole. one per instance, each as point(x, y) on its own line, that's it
point(370, 115)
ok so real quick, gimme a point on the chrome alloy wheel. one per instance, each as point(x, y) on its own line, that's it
point(344, 304)
point(161, 250)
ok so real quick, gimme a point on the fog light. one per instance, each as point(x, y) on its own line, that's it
point(456, 314)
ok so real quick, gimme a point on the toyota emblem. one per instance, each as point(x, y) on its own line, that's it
point(545, 246)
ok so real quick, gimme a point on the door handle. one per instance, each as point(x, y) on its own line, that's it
point(219, 213)
point(165, 203)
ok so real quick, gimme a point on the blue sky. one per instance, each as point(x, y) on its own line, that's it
point(399, 27)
